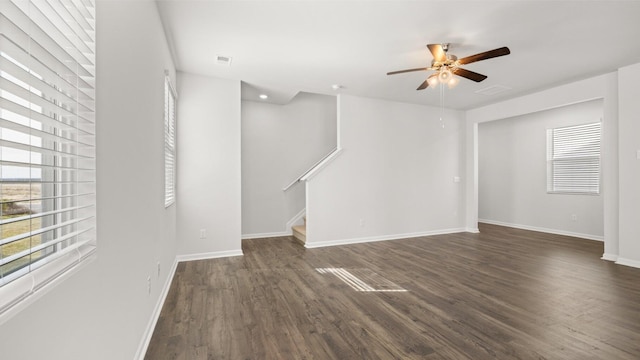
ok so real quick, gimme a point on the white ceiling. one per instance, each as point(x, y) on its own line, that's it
point(283, 47)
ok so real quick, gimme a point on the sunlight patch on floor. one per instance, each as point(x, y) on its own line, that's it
point(363, 280)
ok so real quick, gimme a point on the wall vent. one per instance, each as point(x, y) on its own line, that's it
point(223, 60)
point(493, 90)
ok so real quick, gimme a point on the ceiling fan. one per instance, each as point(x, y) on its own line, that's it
point(446, 65)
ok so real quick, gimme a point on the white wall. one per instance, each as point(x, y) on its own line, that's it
point(394, 177)
point(513, 174)
point(629, 153)
point(610, 168)
point(102, 311)
point(279, 143)
point(209, 181)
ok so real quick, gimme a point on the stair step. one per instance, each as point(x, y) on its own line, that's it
point(300, 233)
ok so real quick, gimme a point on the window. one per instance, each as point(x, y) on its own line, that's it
point(47, 142)
point(573, 159)
point(169, 142)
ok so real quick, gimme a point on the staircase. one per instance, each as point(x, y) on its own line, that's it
point(300, 231)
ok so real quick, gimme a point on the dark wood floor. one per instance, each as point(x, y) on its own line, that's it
point(501, 294)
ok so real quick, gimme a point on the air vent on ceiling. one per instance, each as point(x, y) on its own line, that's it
point(223, 60)
point(493, 90)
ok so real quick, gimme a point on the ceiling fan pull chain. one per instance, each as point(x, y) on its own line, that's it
point(441, 104)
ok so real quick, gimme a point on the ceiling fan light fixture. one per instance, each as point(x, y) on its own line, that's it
point(445, 75)
point(433, 81)
point(453, 82)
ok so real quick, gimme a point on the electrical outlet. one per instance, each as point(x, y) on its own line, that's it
point(574, 217)
point(158, 269)
point(203, 233)
point(361, 222)
point(149, 285)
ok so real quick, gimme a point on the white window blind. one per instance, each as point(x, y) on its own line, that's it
point(47, 142)
point(169, 142)
point(573, 158)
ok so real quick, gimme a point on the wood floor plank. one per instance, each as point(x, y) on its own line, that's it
point(503, 293)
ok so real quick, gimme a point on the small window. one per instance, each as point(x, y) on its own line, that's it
point(169, 143)
point(573, 159)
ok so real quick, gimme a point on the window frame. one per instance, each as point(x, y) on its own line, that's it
point(578, 159)
point(48, 95)
point(170, 160)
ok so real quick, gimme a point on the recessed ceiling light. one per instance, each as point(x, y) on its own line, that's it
point(336, 86)
point(263, 96)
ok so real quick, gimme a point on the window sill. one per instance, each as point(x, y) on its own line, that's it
point(20, 293)
point(573, 193)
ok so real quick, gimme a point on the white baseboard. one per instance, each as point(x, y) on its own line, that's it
point(266, 235)
point(144, 345)
point(609, 257)
point(381, 238)
point(628, 262)
point(544, 230)
point(295, 220)
point(472, 230)
point(209, 255)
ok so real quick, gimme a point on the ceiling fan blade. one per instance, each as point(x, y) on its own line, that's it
point(484, 55)
point(437, 52)
point(469, 74)
point(425, 84)
point(408, 70)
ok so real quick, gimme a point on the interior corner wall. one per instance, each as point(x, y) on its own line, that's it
point(471, 178)
point(208, 178)
point(610, 169)
point(512, 168)
point(101, 312)
point(394, 177)
point(279, 143)
point(629, 163)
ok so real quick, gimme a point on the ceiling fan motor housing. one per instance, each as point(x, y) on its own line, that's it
point(449, 62)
